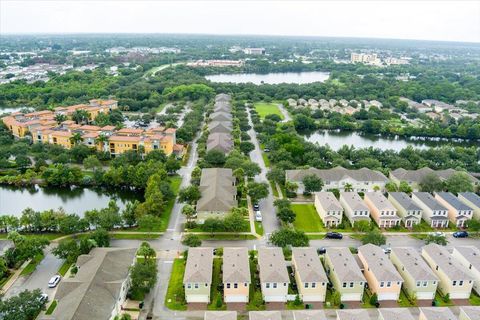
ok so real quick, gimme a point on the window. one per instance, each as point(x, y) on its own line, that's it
point(434, 282)
point(425, 283)
point(196, 285)
point(245, 284)
point(351, 284)
point(314, 285)
point(454, 283)
point(228, 285)
point(275, 285)
point(389, 284)
point(418, 283)
point(235, 285)
point(267, 285)
point(382, 284)
point(189, 286)
point(306, 285)
point(344, 285)
point(460, 283)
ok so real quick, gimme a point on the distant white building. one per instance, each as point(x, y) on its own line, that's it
point(254, 51)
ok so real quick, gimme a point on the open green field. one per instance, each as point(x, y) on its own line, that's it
point(175, 297)
point(307, 219)
point(264, 108)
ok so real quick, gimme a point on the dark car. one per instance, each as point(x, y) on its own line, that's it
point(333, 235)
point(321, 250)
point(460, 234)
point(256, 207)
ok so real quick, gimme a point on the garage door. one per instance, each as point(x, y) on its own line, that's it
point(312, 297)
point(425, 295)
point(459, 295)
point(236, 298)
point(275, 299)
point(351, 297)
point(388, 296)
point(192, 298)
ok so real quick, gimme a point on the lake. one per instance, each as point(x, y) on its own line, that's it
point(271, 78)
point(336, 140)
point(13, 200)
point(11, 110)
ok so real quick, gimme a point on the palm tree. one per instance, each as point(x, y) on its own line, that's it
point(60, 118)
point(348, 187)
point(102, 140)
point(76, 138)
point(80, 116)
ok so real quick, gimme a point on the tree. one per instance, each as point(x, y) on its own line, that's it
point(80, 116)
point(348, 187)
point(146, 251)
point(391, 186)
point(405, 187)
point(147, 222)
point(257, 190)
point(128, 214)
point(374, 237)
point(172, 165)
point(362, 226)
point(109, 217)
point(459, 182)
point(143, 277)
point(246, 147)
point(215, 158)
point(3, 268)
point(22, 161)
point(312, 183)
point(286, 215)
point(59, 118)
point(438, 239)
point(92, 163)
point(473, 226)
point(250, 168)
point(431, 183)
point(191, 240)
point(101, 238)
point(289, 237)
point(24, 306)
point(189, 194)
point(277, 175)
point(67, 250)
point(188, 211)
point(76, 139)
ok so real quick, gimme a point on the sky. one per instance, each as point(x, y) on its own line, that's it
point(425, 20)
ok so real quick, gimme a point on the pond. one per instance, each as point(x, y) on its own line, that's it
point(13, 200)
point(271, 78)
point(11, 110)
point(336, 139)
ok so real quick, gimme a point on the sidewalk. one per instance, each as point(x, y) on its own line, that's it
point(14, 277)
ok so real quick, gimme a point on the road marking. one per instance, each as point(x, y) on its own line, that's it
point(171, 229)
point(168, 262)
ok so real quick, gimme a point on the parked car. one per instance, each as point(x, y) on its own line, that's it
point(460, 234)
point(44, 297)
point(387, 250)
point(437, 234)
point(321, 250)
point(266, 150)
point(256, 207)
point(258, 216)
point(333, 235)
point(54, 281)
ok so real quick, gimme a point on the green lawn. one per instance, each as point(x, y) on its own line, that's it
point(274, 189)
point(259, 228)
point(32, 265)
point(226, 237)
point(404, 301)
point(440, 301)
point(307, 219)
point(175, 297)
point(216, 295)
point(175, 182)
point(4, 280)
point(51, 308)
point(64, 268)
point(264, 108)
point(474, 299)
point(255, 293)
point(49, 236)
point(134, 236)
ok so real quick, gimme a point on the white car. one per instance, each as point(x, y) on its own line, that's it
point(54, 281)
point(437, 234)
point(258, 216)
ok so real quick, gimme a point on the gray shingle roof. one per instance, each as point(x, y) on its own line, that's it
point(220, 315)
point(199, 266)
point(379, 201)
point(471, 254)
point(236, 267)
point(308, 265)
point(354, 314)
point(429, 201)
point(379, 264)
point(271, 263)
point(220, 126)
point(328, 201)
point(223, 97)
point(472, 197)
point(414, 264)
point(221, 116)
point(404, 201)
point(354, 201)
point(218, 191)
point(472, 312)
point(436, 313)
point(220, 141)
point(336, 174)
point(265, 315)
point(395, 314)
point(418, 175)
point(453, 201)
point(451, 267)
point(344, 265)
point(309, 315)
point(94, 291)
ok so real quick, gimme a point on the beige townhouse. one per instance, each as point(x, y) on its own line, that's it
point(472, 200)
point(220, 315)
point(458, 212)
point(309, 274)
point(469, 313)
point(353, 314)
point(309, 315)
point(434, 213)
point(407, 209)
point(395, 314)
point(236, 275)
point(197, 279)
point(274, 277)
point(328, 208)
point(455, 279)
point(265, 315)
point(381, 210)
point(435, 313)
point(382, 277)
point(345, 274)
point(355, 208)
point(469, 257)
point(419, 280)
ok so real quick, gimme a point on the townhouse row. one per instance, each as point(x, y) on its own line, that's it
point(398, 208)
point(43, 128)
point(420, 274)
point(466, 313)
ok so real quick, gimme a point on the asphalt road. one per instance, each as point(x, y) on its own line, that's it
point(285, 113)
